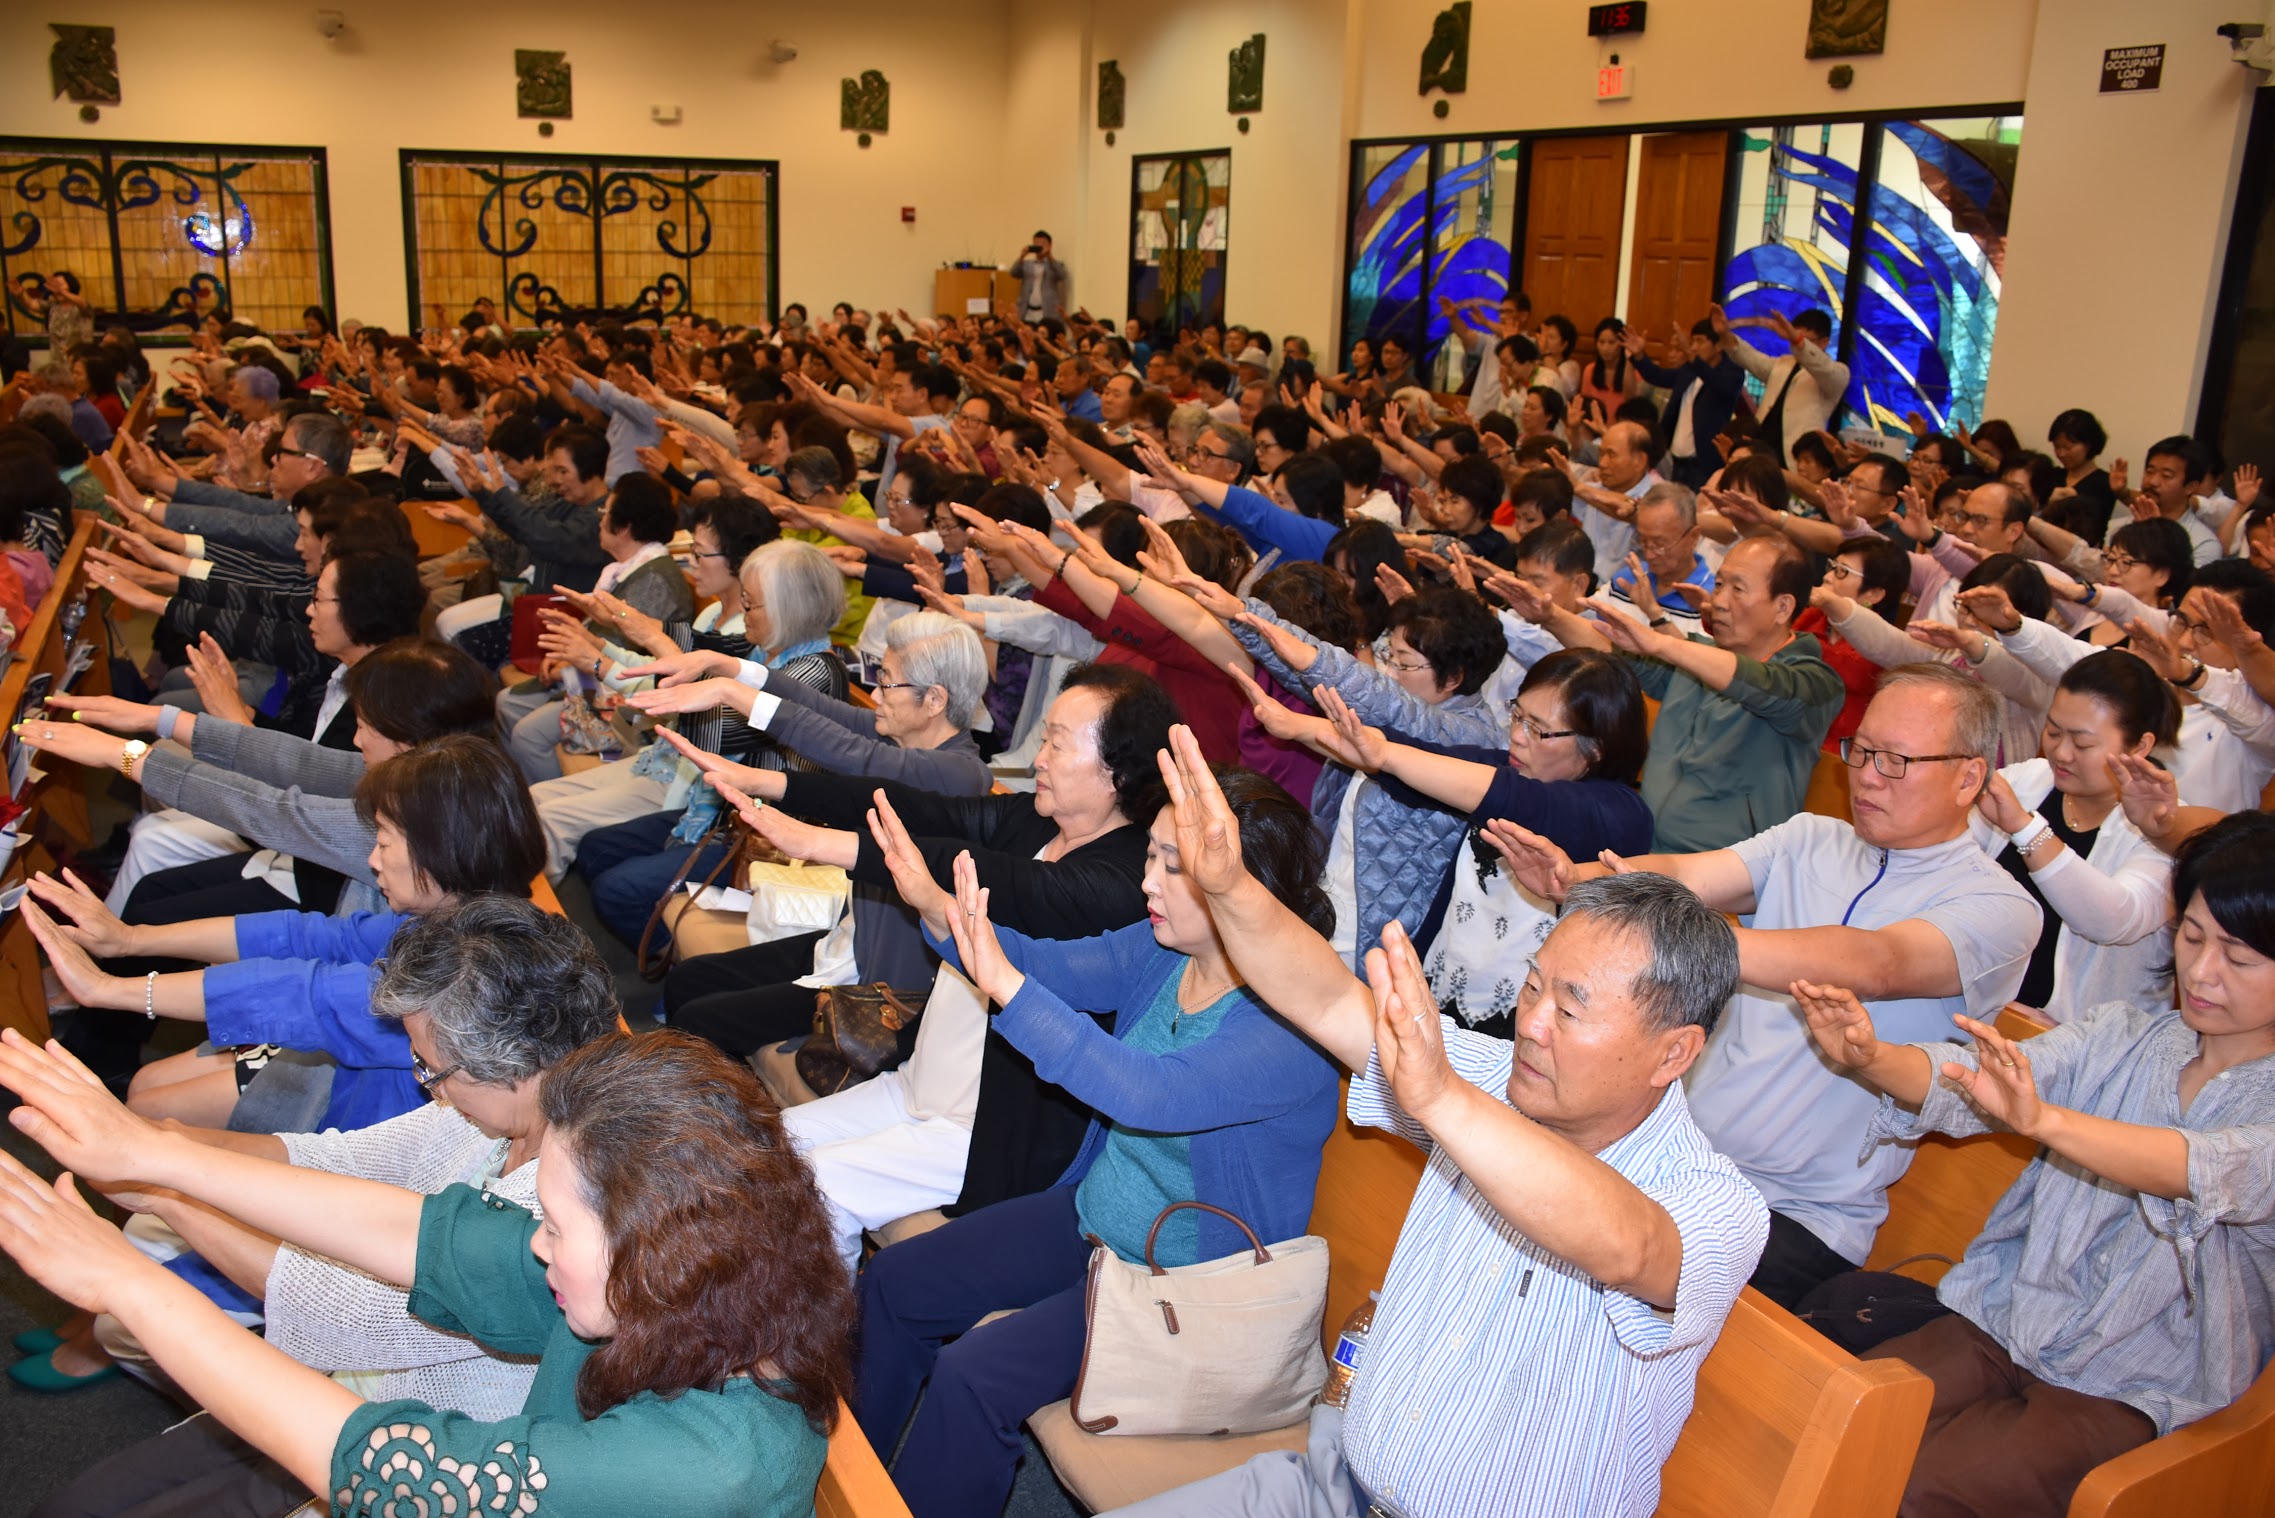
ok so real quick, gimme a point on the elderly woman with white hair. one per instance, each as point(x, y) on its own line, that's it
point(791, 597)
point(934, 673)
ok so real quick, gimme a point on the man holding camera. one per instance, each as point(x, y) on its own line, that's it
point(1042, 281)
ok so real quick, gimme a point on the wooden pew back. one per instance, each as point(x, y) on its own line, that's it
point(57, 805)
point(1941, 1202)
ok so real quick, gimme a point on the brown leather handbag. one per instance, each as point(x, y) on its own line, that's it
point(744, 849)
point(857, 1032)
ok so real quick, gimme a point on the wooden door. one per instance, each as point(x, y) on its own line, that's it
point(1678, 230)
point(1572, 222)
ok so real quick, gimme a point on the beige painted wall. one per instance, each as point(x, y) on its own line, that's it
point(1288, 170)
point(2120, 223)
point(1533, 66)
point(2120, 216)
point(429, 74)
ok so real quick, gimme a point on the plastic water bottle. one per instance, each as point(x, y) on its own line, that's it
point(1350, 1344)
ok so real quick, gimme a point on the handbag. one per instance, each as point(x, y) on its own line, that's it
point(743, 849)
point(858, 1031)
point(1227, 1346)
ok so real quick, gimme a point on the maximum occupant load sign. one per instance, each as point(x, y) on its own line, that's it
point(2130, 70)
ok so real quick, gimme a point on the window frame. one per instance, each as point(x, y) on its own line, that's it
point(151, 327)
point(409, 159)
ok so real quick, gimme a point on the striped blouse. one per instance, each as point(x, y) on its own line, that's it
point(1499, 1379)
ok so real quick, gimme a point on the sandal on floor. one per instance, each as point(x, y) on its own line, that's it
point(39, 1374)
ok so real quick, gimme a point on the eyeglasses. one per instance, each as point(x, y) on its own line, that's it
point(1887, 761)
point(2115, 562)
point(1384, 658)
point(1979, 522)
point(299, 453)
point(424, 1073)
point(1838, 571)
point(1540, 734)
point(885, 685)
point(1657, 546)
point(700, 554)
point(2182, 622)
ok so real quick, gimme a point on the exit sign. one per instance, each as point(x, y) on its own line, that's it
point(1616, 82)
point(1612, 20)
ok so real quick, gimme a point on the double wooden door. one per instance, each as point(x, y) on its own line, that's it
point(1576, 222)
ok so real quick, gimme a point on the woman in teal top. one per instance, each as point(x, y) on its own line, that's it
point(682, 1295)
point(1203, 1094)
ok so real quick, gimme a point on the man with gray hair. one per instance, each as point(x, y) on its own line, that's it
point(315, 445)
point(56, 378)
point(1574, 1244)
point(1669, 559)
point(1900, 906)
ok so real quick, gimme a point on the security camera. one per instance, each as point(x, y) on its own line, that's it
point(2248, 44)
point(780, 51)
point(331, 24)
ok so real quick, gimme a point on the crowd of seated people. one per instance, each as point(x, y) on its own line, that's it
point(1188, 745)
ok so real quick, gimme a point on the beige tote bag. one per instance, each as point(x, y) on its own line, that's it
point(1226, 1346)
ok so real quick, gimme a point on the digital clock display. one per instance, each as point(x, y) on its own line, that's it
point(1611, 20)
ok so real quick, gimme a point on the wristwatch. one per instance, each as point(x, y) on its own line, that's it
point(130, 754)
point(2195, 677)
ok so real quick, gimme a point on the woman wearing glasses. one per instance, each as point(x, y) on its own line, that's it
point(1576, 745)
point(2144, 575)
point(724, 531)
point(1390, 849)
point(451, 818)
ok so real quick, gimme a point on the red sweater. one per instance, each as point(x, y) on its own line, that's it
point(1860, 677)
point(1212, 705)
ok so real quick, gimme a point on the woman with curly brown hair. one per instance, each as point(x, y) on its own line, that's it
point(688, 1314)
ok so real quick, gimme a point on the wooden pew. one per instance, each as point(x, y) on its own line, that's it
point(57, 805)
point(1785, 1422)
point(2220, 1465)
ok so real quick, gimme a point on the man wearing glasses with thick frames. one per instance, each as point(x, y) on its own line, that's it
point(1900, 907)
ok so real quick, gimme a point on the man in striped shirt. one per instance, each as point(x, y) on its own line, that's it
point(1573, 1247)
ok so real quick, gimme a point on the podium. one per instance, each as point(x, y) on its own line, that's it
point(953, 291)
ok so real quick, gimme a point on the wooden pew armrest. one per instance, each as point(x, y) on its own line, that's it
point(2221, 1464)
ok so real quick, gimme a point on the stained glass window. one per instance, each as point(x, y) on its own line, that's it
point(545, 236)
point(1431, 227)
point(1180, 235)
point(1930, 299)
point(162, 234)
point(1797, 191)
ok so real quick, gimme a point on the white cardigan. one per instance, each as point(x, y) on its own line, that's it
point(2115, 906)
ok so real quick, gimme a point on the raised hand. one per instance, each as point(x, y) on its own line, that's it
point(2160, 646)
point(457, 516)
point(697, 696)
point(2223, 619)
point(2120, 474)
point(81, 916)
point(976, 944)
point(1531, 860)
point(2247, 485)
point(1394, 586)
point(1527, 602)
point(1991, 606)
point(2000, 807)
point(1943, 635)
point(680, 668)
point(1839, 1023)
point(60, 1243)
point(912, 876)
point(564, 637)
point(2001, 1083)
point(215, 678)
point(109, 713)
point(478, 474)
point(2148, 793)
point(1362, 747)
point(1409, 1039)
point(798, 840)
point(1294, 650)
point(1208, 835)
point(1274, 718)
point(1840, 507)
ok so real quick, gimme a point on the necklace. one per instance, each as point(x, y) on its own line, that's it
point(1189, 999)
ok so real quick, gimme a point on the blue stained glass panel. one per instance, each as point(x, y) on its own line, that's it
point(1929, 305)
point(1797, 191)
point(1430, 224)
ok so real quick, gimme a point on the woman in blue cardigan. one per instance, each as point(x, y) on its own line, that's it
point(1203, 1095)
point(452, 819)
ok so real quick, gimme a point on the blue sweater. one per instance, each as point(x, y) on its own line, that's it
point(1266, 526)
point(1255, 1100)
point(304, 981)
